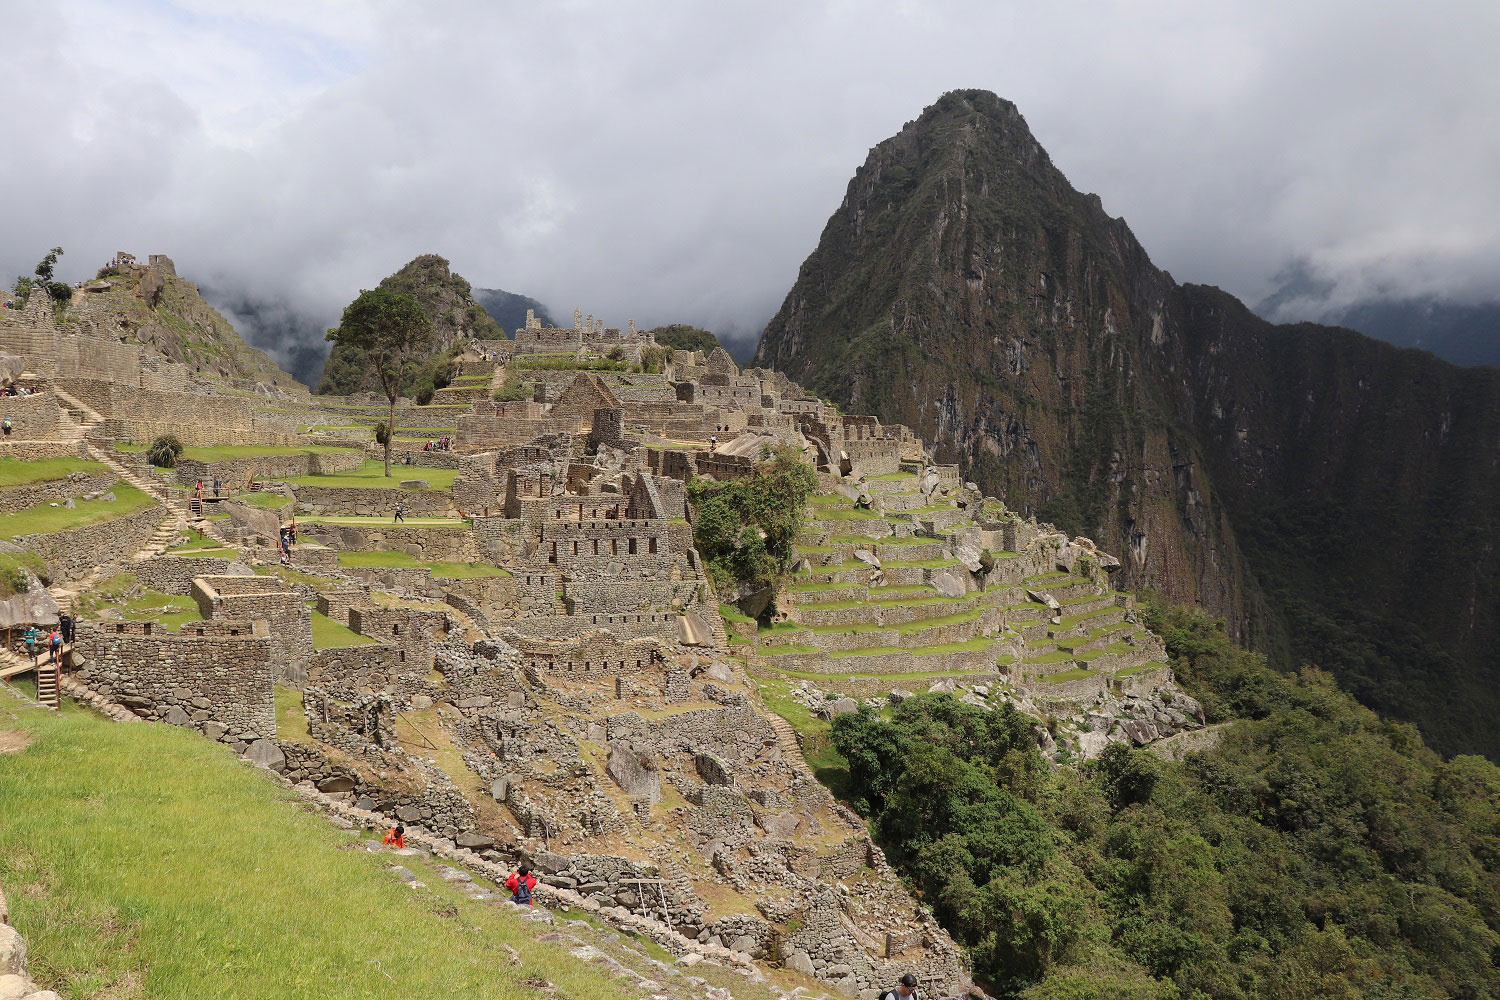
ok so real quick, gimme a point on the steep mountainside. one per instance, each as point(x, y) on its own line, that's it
point(447, 300)
point(508, 309)
point(151, 305)
point(1462, 334)
point(1332, 496)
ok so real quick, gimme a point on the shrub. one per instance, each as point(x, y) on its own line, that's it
point(746, 527)
point(164, 450)
point(382, 433)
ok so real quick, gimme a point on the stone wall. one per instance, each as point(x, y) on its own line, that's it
point(416, 632)
point(175, 574)
point(429, 543)
point(259, 598)
point(375, 501)
point(73, 553)
point(33, 417)
point(239, 470)
point(28, 451)
point(220, 684)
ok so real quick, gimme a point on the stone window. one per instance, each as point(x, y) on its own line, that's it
point(652, 543)
point(632, 546)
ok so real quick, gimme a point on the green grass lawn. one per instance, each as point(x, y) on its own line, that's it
point(372, 474)
point(224, 452)
point(143, 861)
point(1062, 677)
point(45, 518)
point(172, 610)
point(203, 544)
point(730, 613)
point(392, 559)
point(1140, 668)
point(15, 472)
point(329, 634)
point(423, 522)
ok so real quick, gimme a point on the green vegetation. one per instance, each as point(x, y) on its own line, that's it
point(680, 337)
point(393, 559)
point(746, 527)
point(1318, 852)
point(394, 334)
point(60, 291)
point(225, 452)
point(373, 474)
point(45, 518)
point(172, 610)
point(13, 567)
point(163, 451)
point(17, 472)
point(329, 634)
point(567, 363)
point(141, 861)
point(512, 390)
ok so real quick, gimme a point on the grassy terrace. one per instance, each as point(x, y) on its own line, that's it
point(421, 522)
point(15, 472)
point(172, 610)
point(47, 518)
point(329, 634)
point(1062, 677)
point(224, 452)
point(372, 474)
point(270, 501)
point(392, 559)
point(142, 861)
point(1140, 668)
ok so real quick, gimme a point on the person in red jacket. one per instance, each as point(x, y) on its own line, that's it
point(520, 885)
point(396, 838)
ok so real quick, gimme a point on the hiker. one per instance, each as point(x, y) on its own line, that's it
point(30, 638)
point(400, 513)
point(54, 643)
point(713, 441)
point(291, 534)
point(66, 625)
point(520, 885)
point(396, 838)
point(7, 426)
point(218, 487)
point(198, 490)
point(907, 988)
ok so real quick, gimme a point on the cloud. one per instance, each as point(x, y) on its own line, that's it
point(677, 166)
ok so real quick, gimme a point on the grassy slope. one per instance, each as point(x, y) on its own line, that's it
point(48, 518)
point(142, 861)
point(15, 472)
point(329, 634)
point(372, 473)
point(395, 559)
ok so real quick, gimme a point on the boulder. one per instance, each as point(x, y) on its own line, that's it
point(868, 557)
point(408, 814)
point(969, 554)
point(949, 585)
point(799, 961)
point(337, 783)
point(838, 706)
point(420, 702)
point(414, 484)
point(264, 753)
point(474, 840)
point(12, 951)
point(1042, 597)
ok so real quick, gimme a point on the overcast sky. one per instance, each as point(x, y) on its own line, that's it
point(675, 162)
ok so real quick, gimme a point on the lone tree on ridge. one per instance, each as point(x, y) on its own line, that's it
point(393, 331)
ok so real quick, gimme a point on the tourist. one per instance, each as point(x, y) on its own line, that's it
point(713, 441)
point(291, 534)
point(65, 623)
point(218, 487)
point(54, 645)
point(7, 426)
point(396, 838)
point(30, 639)
point(198, 490)
point(520, 884)
point(907, 988)
point(400, 513)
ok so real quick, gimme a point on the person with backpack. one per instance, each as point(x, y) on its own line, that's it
point(7, 426)
point(30, 638)
point(400, 514)
point(520, 884)
point(906, 989)
point(54, 643)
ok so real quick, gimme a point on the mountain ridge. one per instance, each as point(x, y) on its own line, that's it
point(964, 287)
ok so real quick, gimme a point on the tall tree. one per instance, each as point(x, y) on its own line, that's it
point(393, 330)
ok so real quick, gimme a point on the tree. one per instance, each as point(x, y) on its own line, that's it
point(391, 328)
point(45, 267)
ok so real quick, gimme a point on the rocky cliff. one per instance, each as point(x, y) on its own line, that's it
point(1332, 496)
point(448, 301)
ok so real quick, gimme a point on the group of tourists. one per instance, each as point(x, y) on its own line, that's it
point(287, 539)
point(218, 487)
point(12, 389)
point(49, 643)
point(441, 444)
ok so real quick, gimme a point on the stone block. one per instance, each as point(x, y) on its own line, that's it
point(266, 754)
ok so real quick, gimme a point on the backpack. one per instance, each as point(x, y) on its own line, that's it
point(523, 891)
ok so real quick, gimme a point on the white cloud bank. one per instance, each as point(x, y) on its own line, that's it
point(676, 161)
